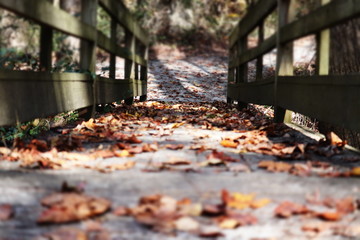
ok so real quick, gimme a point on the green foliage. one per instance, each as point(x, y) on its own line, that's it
point(103, 21)
point(14, 59)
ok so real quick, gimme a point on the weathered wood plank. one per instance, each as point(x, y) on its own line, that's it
point(124, 17)
point(334, 99)
point(258, 13)
point(45, 13)
point(253, 53)
point(111, 90)
point(327, 16)
point(105, 43)
point(245, 92)
point(28, 95)
point(284, 58)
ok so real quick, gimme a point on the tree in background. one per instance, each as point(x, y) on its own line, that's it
point(188, 21)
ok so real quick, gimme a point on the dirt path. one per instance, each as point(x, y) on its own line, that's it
point(202, 169)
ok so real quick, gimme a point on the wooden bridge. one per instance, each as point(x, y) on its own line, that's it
point(334, 99)
point(328, 98)
point(28, 95)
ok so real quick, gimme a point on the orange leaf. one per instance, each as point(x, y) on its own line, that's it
point(229, 143)
point(287, 209)
point(330, 216)
point(260, 203)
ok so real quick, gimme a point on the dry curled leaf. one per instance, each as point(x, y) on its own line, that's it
point(229, 143)
point(287, 209)
point(69, 207)
point(6, 212)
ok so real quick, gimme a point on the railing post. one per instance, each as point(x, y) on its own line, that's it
point(113, 36)
point(130, 42)
point(46, 38)
point(323, 60)
point(259, 61)
point(284, 60)
point(242, 70)
point(143, 72)
point(88, 49)
point(231, 71)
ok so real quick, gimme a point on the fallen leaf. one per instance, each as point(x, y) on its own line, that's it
point(177, 161)
point(6, 212)
point(67, 234)
point(187, 224)
point(69, 207)
point(228, 223)
point(121, 211)
point(121, 166)
point(287, 209)
point(260, 203)
point(229, 143)
point(273, 166)
point(330, 216)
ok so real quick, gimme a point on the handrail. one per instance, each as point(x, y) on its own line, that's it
point(333, 99)
point(28, 95)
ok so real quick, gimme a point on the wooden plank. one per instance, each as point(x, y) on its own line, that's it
point(253, 53)
point(334, 99)
point(257, 14)
point(259, 61)
point(323, 49)
point(254, 92)
point(105, 43)
point(40, 94)
point(284, 58)
point(111, 90)
point(113, 40)
point(327, 16)
point(44, 13)
point(124, 17)
point(88, 48)
point(129, 63)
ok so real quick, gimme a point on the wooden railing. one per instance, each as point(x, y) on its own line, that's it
point(330, 98)
point(25, 95)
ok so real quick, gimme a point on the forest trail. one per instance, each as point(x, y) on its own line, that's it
point(201, 169)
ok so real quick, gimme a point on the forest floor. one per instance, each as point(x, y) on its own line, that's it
point(182, 165)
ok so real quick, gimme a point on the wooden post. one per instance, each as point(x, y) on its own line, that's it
point(88, 49)
point(46, 38)
point(323, 61)
point(242, 70)
point(112, 72)
point(143, 71)
point(284, 65)
point(129, 64)
point(259, 61)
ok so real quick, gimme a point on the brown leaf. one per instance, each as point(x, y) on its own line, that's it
point(330, 216)
point(316, 227)
point(174, 146)
point(287, 209)
point(273, 166)
point(69, 207)
point(122, 211)
point(6, 212)
point(66, 234)
point(177, 161)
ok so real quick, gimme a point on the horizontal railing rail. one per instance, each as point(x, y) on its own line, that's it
point(333, 99)
point(25, 95)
